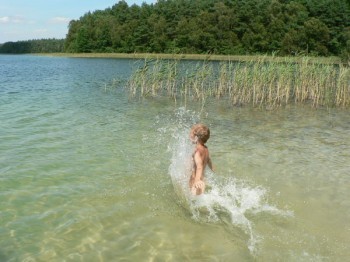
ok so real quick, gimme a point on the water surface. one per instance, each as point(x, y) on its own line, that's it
point(88, 174)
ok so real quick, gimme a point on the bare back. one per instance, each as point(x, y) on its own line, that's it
point(200, 160)
point(199, 135)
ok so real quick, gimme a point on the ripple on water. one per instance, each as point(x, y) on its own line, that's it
point(86, 174)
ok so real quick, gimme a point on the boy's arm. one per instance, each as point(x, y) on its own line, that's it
point(198, 159)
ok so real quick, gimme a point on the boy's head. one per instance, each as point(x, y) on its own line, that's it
point(200, 133)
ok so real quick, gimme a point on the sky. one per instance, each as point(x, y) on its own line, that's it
point(38, 19)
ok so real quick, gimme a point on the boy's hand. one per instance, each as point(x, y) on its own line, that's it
point(198, 188)
point(199, 184)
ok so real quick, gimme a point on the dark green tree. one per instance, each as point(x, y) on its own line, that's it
point(286, 27)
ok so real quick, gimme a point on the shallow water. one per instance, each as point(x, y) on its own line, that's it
point(88, 174)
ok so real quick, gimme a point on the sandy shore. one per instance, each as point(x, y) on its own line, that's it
point(323, 60)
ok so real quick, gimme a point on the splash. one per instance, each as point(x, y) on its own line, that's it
point(225, 197)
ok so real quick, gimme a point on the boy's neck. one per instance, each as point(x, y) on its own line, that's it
point(200, 144)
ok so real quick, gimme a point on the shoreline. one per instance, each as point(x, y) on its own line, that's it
point(206, 57)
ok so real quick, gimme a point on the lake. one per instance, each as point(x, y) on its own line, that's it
point(88, 173)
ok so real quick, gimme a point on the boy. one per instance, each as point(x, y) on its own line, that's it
point(199, 135)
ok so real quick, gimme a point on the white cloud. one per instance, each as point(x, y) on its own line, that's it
point(11, 20)
point(60, 20)
point(17, 20)
point(4, 19)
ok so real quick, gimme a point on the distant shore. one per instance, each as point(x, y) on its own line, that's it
point(243, 58)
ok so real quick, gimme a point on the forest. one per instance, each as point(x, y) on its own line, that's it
point(235, 27)
point(33, 46)
point(226, 27)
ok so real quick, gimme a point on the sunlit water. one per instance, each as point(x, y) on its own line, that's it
point(89, 174)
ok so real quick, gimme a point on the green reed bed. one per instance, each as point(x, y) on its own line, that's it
point(257, 83)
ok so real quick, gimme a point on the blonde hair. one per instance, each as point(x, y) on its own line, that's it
point(201, 131)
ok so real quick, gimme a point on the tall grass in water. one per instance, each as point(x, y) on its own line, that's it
point(257, 83)
point(154, 77)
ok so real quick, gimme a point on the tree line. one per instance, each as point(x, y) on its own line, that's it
point(283, 27)
point(33, 46)
point(228, 27)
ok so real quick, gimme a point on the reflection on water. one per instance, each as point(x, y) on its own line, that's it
point(88, 174)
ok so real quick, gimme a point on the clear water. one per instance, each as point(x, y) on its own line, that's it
point(88, 174)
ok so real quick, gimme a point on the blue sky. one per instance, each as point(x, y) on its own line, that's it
point(37, 19)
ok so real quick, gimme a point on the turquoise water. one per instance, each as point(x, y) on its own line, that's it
point(89, 174)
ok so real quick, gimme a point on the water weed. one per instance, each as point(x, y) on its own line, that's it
point(258, 83)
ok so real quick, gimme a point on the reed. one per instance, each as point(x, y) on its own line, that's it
point(259, 83)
